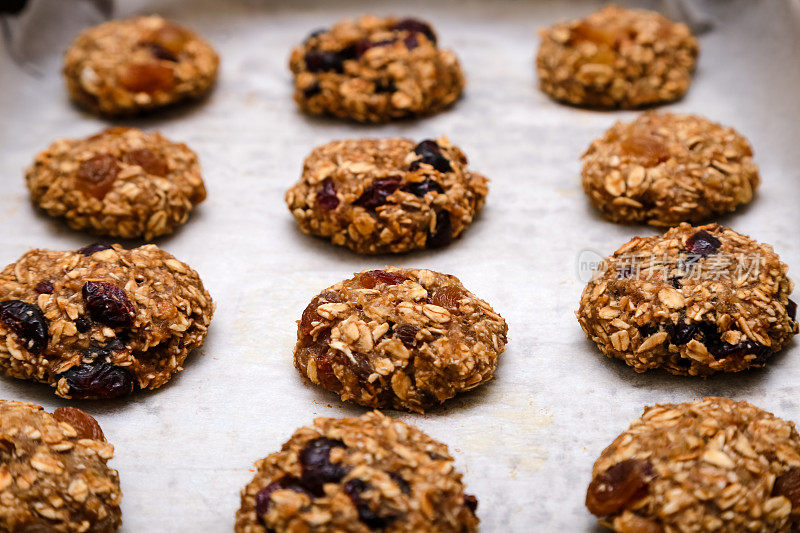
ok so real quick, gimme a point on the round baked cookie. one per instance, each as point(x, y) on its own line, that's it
point(357, 475)
point(129, 66)
point(399, 338)
point(711, 465)
point(53, 472)
point(375, 70)
point(694, 301)
point(616, 58)
point(100, 322)
point(121, 182)
point(664, 169)
point(387, 195)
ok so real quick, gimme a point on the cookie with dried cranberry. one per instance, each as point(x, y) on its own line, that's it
point(665, 169)
point(399, 338)
point(363, 474)
point(53, 472)
point(131, 66)
point(101, 322)
point(710, 465)
point(375, 70)
point(694, 301)
point(121, 182)
point(616, 58)
point(387, 195)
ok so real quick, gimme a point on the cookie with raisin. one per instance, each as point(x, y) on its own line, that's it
point(387, 195)
point(100, 322)
point(375, 70)
point(664, 169)
point(53, 471)
point(399, 338)
point(616, 58)
point(121, 182)
point(710, 465)
point(694, 301)
point(124, 67)
point(358, 475)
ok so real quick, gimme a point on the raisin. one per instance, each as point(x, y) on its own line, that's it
point(406, 333)
point(702, 244)
point(96, 176)
point(98, 380)
point(620, 485)
point(723, 350)
point(85, 424)
point(318, 469)
point(149, 161)
point(681, 333)
point(28, 322)
point(326, 197)
point(431, 153)
point(448, 297)
point(94, 248)
point(354, 488)
point(442, 235)
point(44, 287)
point(312, 90)
point(791, 309)
point(377, 193)
point(264, 496)
point(108, 304)
point(147, 78)
point(310, 312)
point(788, 486)
point(645, 146)
point(647, 330)
point(324, 61)
point(471, 502)
point(83, 324)
point(413, 26)
point(421, 188)
point(372, 278)
point(675, 282)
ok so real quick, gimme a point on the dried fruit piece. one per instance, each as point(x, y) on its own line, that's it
point(85, 424)
point(98, 380)
point(431, 153)
point(421, 188)
point(264, 496)
point(147, 78)
point(318, 469)
point(448, 297)
point(585, 31)
point(703, 244)
point(471, 502)
point(159, 52)
point(620, 485)
point(28, 322)
point(83, 324)
point(414, 26)
point(355, 488)
point(150, 162)
point(443, 232)
point(377, 193)
point(791, 309)
point(372, 278)
point(310, 312)
point(312, 90)
point(170, 38)
point(94, 248)
point(646, 146)
point(96, 176)
point(44, 287)
point(326, 197)
point(406, 333)
point(108, 304)
point(788, 486)
point(324, 61)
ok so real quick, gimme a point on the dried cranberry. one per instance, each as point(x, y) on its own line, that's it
point(788, 486)
point(84, 423)
point(326, 197)
point(94, 248)
point(406, 333)
point(443, 234)
point(83, 324)
point(791, 309)
point(354, 488)
point(264, 496)
point(108, 304)
point(44, 287)
point(312, 90)
point(471, 502)
point(98, 380)
point(702, 244)
point(96, 175)
point(149, 161)
point(421, 188)
point(377, 193)
point(318, 469)
point(28, 322)
point(431, 153)
point(372, 278)
point(622, 484)
point(415, 26)
point(159, 52)
point(324, 61)
point(723, 350)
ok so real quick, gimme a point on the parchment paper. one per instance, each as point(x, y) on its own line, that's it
point(526, 441)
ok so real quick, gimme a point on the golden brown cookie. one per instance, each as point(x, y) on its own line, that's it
point(129, 66)
point(711, 465)
point(399, 338)
point(121, 182)
point(53, 472)
point(356, 475)
point(616, 58)
point(375, 70)
point(100, 322)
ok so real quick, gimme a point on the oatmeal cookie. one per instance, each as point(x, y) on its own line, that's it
point(694, 301)
point(616, 58)
point(387, 195)
point(399, 338)
point(375, 70)
point(129, 66)
point(357, 475)
point(100, 322)
point(711, 465)
point(121, 182)
point(665, 169)
point(53, 472)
